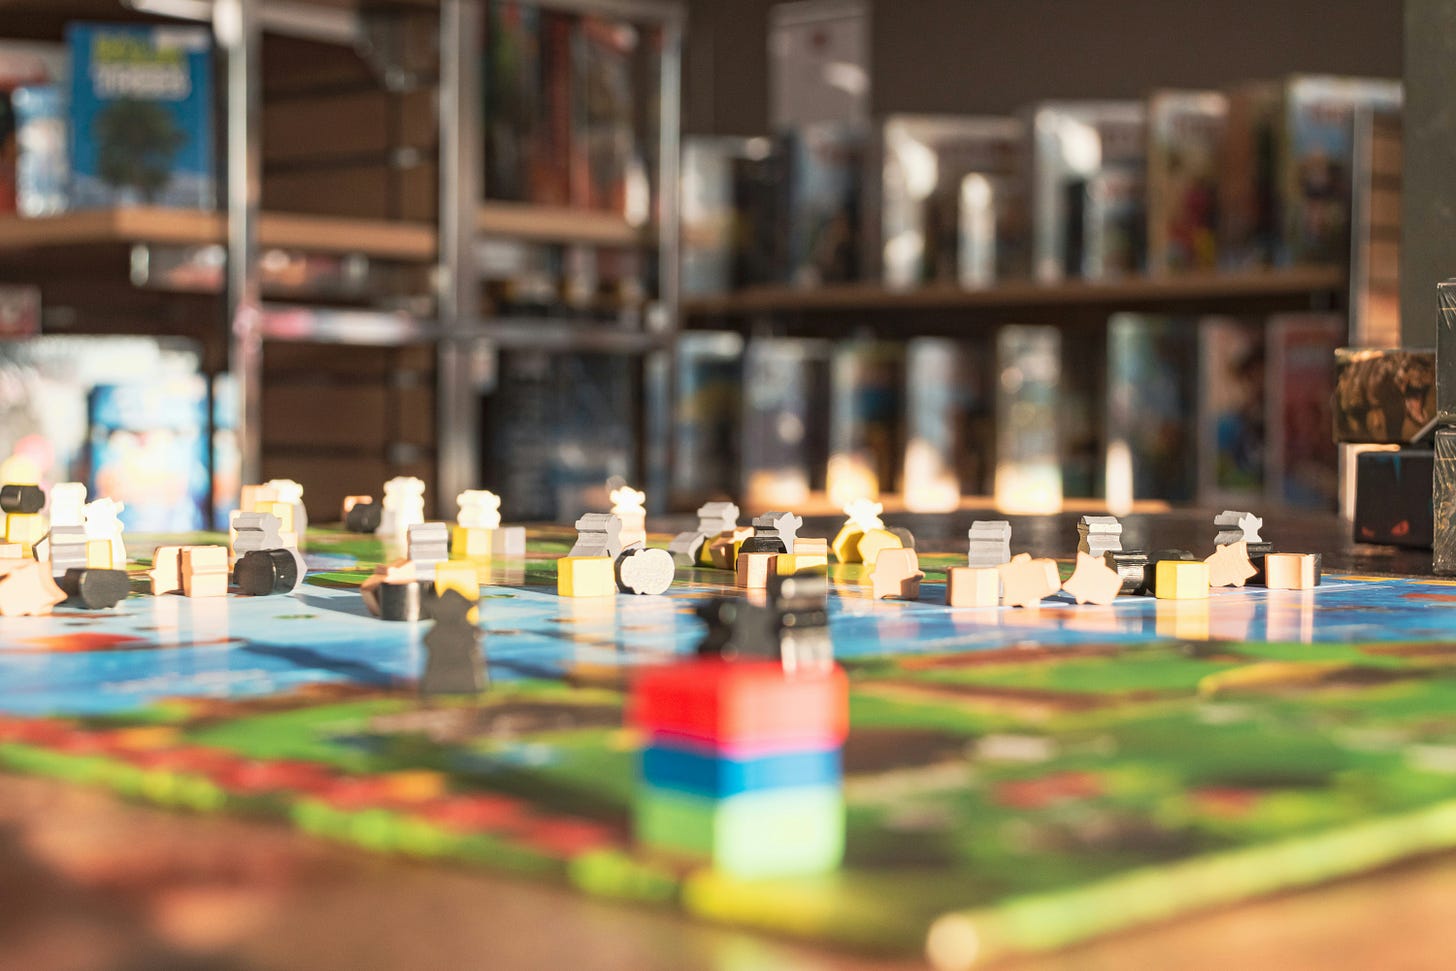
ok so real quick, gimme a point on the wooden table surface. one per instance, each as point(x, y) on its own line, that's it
point(88, 882)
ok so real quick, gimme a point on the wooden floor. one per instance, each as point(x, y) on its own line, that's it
point(87, 882)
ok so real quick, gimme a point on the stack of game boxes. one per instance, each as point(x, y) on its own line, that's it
point(741, 766)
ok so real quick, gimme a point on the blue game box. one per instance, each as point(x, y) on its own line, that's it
point(141, 117)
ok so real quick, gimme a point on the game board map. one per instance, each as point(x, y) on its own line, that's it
point(1014, 780)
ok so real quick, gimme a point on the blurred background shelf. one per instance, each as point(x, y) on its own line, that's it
point(1315, 287)
point(377, 238)
point(556, 224)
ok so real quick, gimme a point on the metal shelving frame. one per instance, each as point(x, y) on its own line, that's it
point(465, 338)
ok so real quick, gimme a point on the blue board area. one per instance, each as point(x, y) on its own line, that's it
point(676, 766)
point(153, 648)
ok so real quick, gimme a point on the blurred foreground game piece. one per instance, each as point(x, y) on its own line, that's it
point(404, 506)
point(1098, 535)
point(96, 589)
point(801, 604)
point(972, 586)
point(1131, 566)
point(990, 543)
point(265, 573)
point(863, 516)
point(453, 662)
point(895, 575)
point(1025, 582)
point(68, 504)
point(27, 589)
point(204, 571)
point(873, 542)
point(645, 571)
point(791, 627)
point(426, 546)
point(754, 569)
point(67, 549)
point(102, 522)
point(598, 534)
point(361, 514)
point(714, 518)
point(1093, 581)
point(1292, 571)
point(773, 532)
point(741, 766)
point(586, 576)
point(1229, 565)
point(1237, 527)
point(627, 505)
point(22, 498)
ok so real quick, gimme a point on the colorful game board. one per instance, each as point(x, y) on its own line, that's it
point(1014, 779)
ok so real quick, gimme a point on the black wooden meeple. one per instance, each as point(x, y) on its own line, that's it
point(264, 573)
point(95, 589)
point(363, 517)
point(22, 498)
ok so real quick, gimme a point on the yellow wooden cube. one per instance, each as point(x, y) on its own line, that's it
point(98, 554)
point(846, 544)
point(585, 576)
point(872, 542)
point(1291, 571)
point(11, 551)
point(788, 564)
point(284, 512)
point(1182, 580)
point(972, 586)
point(469, 542)
point(754, 569)
point(25, 528)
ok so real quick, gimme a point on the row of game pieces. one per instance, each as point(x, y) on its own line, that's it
point(607, 559)
point(58, 549)
point(477, 532)
point(771, 546)
point(67, 549)
point(437, 556)
point(262, 557)
point(1104, 570)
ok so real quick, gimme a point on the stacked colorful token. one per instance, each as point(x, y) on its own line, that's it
point(742, 765)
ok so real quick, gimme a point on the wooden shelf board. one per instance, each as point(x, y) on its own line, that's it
point(555, 224)
point(1191, 287)
point(378, 238)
